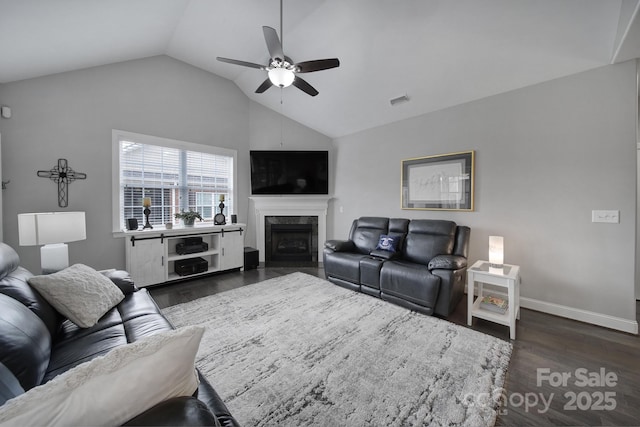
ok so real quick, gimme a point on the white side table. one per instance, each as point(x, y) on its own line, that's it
point(507, 277)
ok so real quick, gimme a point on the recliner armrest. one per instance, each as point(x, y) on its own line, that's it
point(340, 245)
point(122, 279)
point(447, 262)
point(385, 255)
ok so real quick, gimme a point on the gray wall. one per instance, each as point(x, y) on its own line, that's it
point(546, 155)
point(71, 115)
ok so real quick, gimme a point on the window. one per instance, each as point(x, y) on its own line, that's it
point(175, 175)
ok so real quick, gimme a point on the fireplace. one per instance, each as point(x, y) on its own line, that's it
point(291, 240)
point(288, 207)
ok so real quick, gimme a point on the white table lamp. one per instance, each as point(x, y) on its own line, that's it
point(53, 230)
point(496, 251)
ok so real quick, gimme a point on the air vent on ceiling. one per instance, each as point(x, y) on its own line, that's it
point(399, 100)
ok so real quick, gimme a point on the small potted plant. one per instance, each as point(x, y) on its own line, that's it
point(189, 217)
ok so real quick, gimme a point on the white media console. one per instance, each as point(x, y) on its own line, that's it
point(152, 256)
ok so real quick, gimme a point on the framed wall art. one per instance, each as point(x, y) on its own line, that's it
point(441, 182)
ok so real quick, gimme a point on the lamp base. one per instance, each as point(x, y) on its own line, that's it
point(54, 257)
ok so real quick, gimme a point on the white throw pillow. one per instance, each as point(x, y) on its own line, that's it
point(111, 389)
point(79, 293)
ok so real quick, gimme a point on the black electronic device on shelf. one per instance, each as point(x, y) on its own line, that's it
point(186, 267)
point(191, 245)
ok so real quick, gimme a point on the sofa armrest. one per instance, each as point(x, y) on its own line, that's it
point(340, 245)
point(122, 279)
point(385, 255)
point(185, 411)
point(447, 262)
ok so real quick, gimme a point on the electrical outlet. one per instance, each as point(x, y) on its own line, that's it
point(612, 217)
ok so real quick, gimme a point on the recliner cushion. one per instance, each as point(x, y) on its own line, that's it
point(136, 317)
point(25, 342)
point(14, 284)
point(343, 265)
point(410, 281)
point(9, 259)
point(367, 233)
point(9, 385)
point(428, 238)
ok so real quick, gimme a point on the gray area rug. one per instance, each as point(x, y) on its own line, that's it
point(298, 350)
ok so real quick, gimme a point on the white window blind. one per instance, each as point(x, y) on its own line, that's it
point(174, 178)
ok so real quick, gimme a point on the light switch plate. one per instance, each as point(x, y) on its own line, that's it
point(612, 217)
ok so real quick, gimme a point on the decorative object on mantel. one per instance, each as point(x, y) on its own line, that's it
point(220, 219)
point(146, 203)
point(188, 218)
point(62, 174)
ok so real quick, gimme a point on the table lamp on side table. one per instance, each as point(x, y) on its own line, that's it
point(53, 230)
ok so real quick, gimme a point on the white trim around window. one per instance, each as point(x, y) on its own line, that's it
point(119, 135)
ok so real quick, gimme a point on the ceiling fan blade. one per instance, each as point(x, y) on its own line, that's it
point(304, 86)
point(273, 43)
point(242, 63)
point(264, 86)
point(317, 65)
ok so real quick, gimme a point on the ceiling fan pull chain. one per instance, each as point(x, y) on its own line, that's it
point(281, 117)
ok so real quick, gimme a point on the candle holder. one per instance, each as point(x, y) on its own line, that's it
point(220, 219)
point(147, 212)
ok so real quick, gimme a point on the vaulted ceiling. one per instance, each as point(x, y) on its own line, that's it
point(439, 53)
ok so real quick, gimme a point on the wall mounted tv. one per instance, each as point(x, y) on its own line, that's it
point(289, 172)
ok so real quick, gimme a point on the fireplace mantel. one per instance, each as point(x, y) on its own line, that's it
point(290, 206)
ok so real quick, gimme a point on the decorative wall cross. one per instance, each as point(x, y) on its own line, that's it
point(63, 175)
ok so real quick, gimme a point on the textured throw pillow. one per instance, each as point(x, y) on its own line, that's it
point(79, 293)
point(387, 243)
point(111, 389)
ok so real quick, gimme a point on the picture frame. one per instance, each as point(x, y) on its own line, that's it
point(439, 182)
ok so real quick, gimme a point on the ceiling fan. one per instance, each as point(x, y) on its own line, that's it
point(281, 69)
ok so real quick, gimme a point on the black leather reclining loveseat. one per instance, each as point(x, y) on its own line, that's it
point(37, 344)
point(425, 273)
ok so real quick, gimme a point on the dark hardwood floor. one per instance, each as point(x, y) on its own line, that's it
point(601, 367)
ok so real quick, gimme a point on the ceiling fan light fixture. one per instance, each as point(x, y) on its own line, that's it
point(281, 77)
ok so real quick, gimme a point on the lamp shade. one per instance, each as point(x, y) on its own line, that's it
point(51, 227)
point(496, 251)
point(281, 77)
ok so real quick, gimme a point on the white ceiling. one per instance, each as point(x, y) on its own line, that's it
point(439, 53)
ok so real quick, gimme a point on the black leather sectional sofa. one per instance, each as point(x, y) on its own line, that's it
point(37, 344)
point(425, 273)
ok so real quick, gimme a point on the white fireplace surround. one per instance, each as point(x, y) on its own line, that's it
point(290, 206)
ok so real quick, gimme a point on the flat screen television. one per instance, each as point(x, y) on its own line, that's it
point(289, 172)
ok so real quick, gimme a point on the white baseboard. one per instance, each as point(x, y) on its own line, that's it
point(599, 319)
point(612, 322)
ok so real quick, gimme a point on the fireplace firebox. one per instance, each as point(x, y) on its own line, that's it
point(291, 240)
